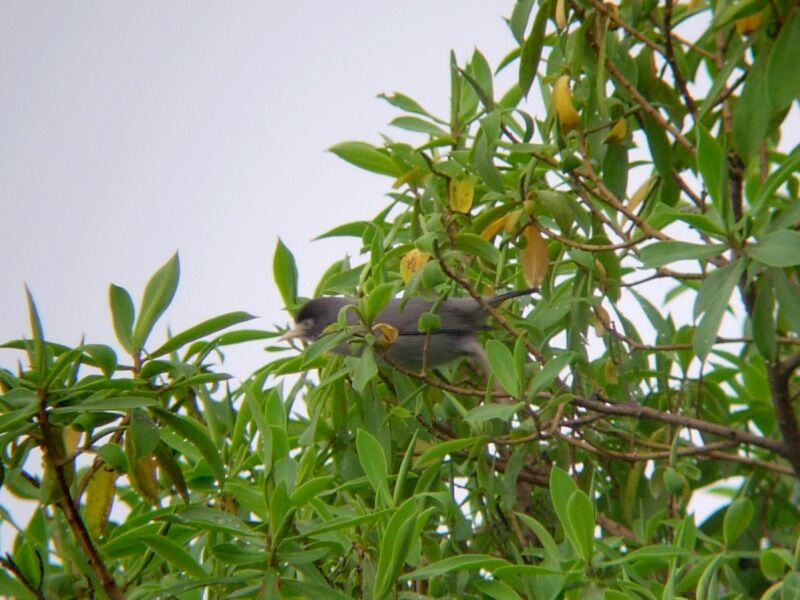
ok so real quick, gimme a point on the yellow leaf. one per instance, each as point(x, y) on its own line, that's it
point(641, 193)
point(142, 475)
point(413, 177)
point(512, 221)
point(610, 371)
point(462, 192)
point(618, 132)
point(412, 262)
point(561, 14)
point(535, 257)
point(601, 321)
point(493, 228)
point(387, 333)
point(568, 117)
point(748, 24)
point(99, 500)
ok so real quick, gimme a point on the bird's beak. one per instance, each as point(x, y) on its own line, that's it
point(298, 331)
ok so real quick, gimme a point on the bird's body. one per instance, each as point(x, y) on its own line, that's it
point(460, 320)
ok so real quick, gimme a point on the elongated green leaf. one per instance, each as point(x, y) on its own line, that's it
point(405, 103)
point(367, 157)
point(354, 229)
point(487, 412)
point(104, 404)
point(496, 589)
point(751, 115)
point(502, 363)
point(394, 547)
point(461, 562)
point(377, 300)
point(284, 271)
point(418, 125)
point(737, 520)
point(775, 179)
point(763, 320)
point(659, 254)
point(142, 436)
point(39, 358)
point(122, 316)
point(477, 246)
point(711, 165)
point(548, 373)
point(777, 249)
point(717, 290)
point(199, 437)
point(310, 489)
point(442, 449)
point(532, 48)
point(158, 294)
point(174, 555)
point(373, 461)
point(365, 370)
point(580, 512)
point(561, 489)
point(201, 330)
point(783, 76)
point(545, 539)
point(484, 165)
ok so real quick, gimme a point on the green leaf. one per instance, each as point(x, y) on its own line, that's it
point(763, 320)
point(437, 451)
point(102, 356)
point(659, 254)
point(783, 76)
point(174, 555)
point(284, 271)
point(394, 547)
point(532, 48)
point(419, 126)
point(487, 412)
point(114, 456)
point(201, 330)
point(737, 520)
point(142, 437)
point(751, 114)
point(39, 359)
point(717, 290)
point(545, 539)
point(777, 248)
point(502, 364)
point(365, 371)
point(460, 562)
point(199, 437)
point(373, 461)
point(561, 490)
point(580, 513)
point(788, 300)
point(496, 589)
point(660, 148)
point(774, 180)
point(405, 103)
point(311, 489)
point(367, 157)
point(354, 229)
point(377, 300)
point(548, 373)
point(711, 165)
point(104, 404)
point(122, 315)
point(158, 294)
point(477, 246)
point(484, 164)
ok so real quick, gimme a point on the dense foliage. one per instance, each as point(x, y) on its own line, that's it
point(650, 203)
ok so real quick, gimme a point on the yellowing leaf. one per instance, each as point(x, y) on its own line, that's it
point(610, 371)
point(618, 132)
point(142, 475)
point(512, 220)
point(748, 24)
point(601, 321)
point(413, 177)
point(493, 228)
point(388, 334)
point(412, 262)
point(99, 500)
point(641, 193)
point(462, 192)
point(72, 437)
point(568, 117)
point(561, 14)
point(535, 257)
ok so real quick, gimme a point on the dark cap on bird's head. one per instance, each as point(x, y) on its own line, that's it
point(314, 316)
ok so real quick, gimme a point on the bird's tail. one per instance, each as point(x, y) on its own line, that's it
point(495, 300)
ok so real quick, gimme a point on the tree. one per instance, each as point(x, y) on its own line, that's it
point(652, 204)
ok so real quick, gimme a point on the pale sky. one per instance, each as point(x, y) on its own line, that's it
point(130, 130)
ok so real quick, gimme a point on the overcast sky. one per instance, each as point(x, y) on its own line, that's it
point(131, 130)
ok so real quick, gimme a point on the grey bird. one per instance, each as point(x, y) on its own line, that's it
point(461, 319)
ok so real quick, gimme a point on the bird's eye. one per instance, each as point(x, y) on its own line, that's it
point(307, 323)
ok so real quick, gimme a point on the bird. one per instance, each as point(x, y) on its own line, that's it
point(460, 320)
